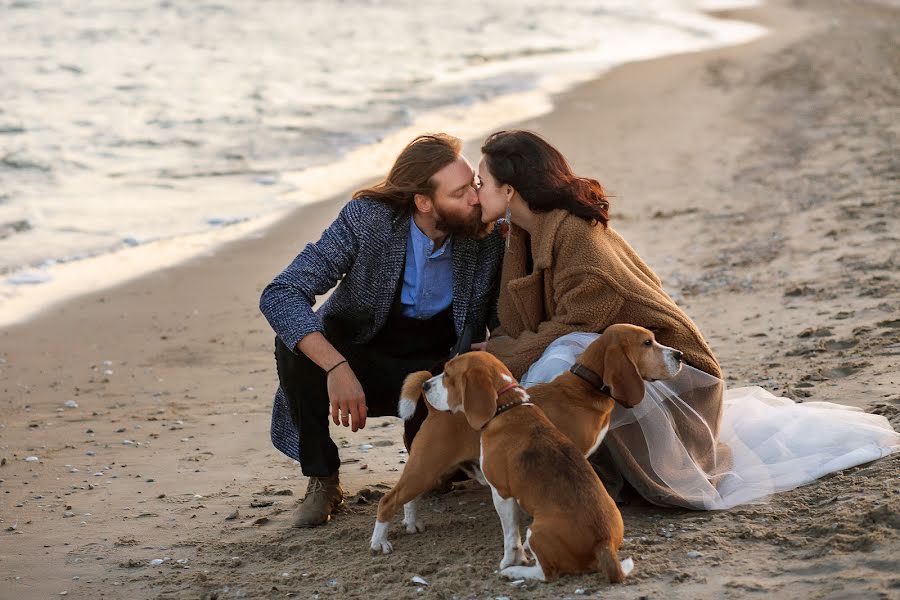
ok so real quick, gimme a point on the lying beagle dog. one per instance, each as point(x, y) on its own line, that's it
point(527, 462)
point(579, 403)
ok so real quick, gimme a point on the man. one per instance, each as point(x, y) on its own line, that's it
point(418, 275)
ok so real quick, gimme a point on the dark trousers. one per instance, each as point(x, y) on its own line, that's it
point(305, 387)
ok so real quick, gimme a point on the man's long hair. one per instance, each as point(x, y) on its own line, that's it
point(413, 170)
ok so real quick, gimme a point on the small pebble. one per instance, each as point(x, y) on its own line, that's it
point(694, 554)
point(70, 404)
point(31, 459)
point(418, 580)
point(156, 562)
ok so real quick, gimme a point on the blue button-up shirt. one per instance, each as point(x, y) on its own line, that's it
point(428, 276)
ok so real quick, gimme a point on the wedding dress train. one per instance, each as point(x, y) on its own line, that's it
point(763, 443)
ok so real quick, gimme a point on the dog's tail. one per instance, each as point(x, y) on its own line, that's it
point(410, 393)
point(608, 561)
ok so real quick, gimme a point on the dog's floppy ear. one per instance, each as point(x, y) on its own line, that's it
point(479, 396)
point(622, 376)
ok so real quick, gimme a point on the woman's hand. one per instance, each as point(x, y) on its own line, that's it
point(348, 401)
point(479, 346)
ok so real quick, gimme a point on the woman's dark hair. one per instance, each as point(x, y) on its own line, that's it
point(413, 170)
point(541, 175)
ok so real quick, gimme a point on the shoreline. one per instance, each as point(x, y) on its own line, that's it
point(32, 291)
point(706, 186)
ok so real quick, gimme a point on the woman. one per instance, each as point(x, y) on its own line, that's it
point(567, 275)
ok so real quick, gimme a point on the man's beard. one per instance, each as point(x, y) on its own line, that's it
point(471, 227)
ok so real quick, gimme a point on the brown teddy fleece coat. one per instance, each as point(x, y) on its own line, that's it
point(585, 278)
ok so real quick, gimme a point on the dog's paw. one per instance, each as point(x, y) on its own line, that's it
point(379, 542)
point(381, 547)
point(414, 526)
point(534, 573)
point(411, 518)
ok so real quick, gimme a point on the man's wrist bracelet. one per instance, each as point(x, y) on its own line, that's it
point(328, 372)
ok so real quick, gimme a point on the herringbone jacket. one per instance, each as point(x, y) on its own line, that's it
point(363, 251)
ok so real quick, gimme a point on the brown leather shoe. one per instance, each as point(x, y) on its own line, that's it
point(323, 495)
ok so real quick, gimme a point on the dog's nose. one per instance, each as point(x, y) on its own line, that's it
point(426, 386)
point(678, 355)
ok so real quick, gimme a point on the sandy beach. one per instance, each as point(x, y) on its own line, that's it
point(759, 181)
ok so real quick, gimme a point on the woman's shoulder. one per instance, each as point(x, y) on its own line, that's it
point(576, 233)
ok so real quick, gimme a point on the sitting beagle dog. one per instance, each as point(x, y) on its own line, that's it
point(578, 402)
point(527, 462)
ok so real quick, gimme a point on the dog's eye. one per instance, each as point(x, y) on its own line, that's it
point(648, 342)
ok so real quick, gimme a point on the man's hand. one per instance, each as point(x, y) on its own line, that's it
point(348, 401)
point(479, 346)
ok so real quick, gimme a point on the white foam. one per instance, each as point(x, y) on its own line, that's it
point(29, 278)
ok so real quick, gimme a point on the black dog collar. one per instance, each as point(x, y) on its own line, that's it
point(508, 405)
point(505, 407)
point(592, 378)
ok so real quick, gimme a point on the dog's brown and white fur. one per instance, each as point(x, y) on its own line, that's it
point(527, 462)
point(624, 356)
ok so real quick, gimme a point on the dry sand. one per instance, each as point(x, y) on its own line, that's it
point(761, 182)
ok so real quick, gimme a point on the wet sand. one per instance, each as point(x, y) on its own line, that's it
point(759, 181)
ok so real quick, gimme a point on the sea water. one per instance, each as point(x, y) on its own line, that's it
point(136, 134)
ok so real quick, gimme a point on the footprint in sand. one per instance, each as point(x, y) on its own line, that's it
point(840, 344)
point(845, 371)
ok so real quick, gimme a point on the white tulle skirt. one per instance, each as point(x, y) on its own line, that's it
point(775, 443)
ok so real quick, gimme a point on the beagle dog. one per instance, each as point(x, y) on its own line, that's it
point(578, 402)
point(527, 462)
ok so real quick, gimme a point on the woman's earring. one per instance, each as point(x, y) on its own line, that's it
point(508, 219)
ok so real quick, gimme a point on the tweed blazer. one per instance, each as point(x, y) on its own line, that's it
point(363, 252)
point(585, 278)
